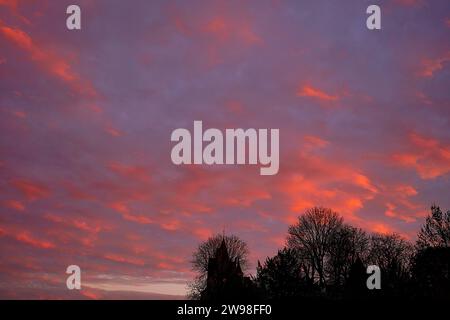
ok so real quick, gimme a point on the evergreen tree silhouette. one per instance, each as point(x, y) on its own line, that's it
point(355, 287)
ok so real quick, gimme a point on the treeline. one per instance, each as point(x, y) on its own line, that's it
point(327, 258)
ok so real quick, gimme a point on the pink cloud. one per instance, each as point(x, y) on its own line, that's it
point(138, 173)
point(124, 210)
point(30, 189)
point(49, 61)
point(202, 233)
point(123, 259)
point(429, 67)
point(428, 156)
point(14, 204)
point(314, 93)
point(27, 238)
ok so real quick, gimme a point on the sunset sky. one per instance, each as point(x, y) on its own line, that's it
point(86, 116)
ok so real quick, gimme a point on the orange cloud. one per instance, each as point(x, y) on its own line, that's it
point(113, 131)
point(279, 240)
point(122, 259)
point(381, 228)
point(134, 172)
point(301, 189)
point(249, 225)
point(53, 218)
point(429, 157)
point(218, 27)
point(118, 189)
point(234, 106)
point(86, 226)
point(165, 266)
point(202, 233)
point(12, 4)
point(249, 36)
point(31, 190)
point(225, 29)
point(309, 91)
point(353, 204)
point(90, 294)
point(187, 187)
point(123, 209)
point(94, 108)
point(399, 202)
point(406, 190)
point(178, 20)
point(392, 213)
point(315, 142)
point(20, 114)
point(171, 225)
point(429, 67)
point(27, 238)
point(49, 61)
point(14, 204)
point(246, 197)
point(76, 231)
point(319, 182)
point(76, 193)
point(364, 182)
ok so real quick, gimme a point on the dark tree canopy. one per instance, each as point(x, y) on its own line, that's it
point(347, 245)
point(436, 230)
point(431, 272)
point(327, 248)
point(325, 257)
point(237, 249)
point(281, 276)
point(389, 249)
point(393, 255)
point(355, 286)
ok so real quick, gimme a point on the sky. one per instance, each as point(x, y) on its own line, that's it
point(86, 117)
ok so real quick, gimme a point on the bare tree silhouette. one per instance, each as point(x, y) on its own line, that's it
point(312, 237)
